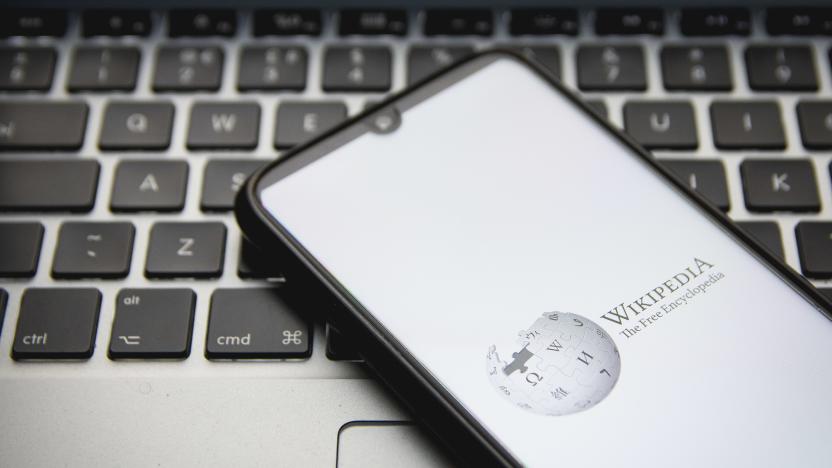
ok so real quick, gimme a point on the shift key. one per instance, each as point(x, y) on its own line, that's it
point(42, 125)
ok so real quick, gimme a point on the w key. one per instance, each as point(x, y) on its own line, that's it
point(779, 185)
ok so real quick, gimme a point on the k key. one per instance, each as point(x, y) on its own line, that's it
point(779, 185)
point(747, 125)
point(186, 250)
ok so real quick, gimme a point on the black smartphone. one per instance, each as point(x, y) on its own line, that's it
point(539, 290)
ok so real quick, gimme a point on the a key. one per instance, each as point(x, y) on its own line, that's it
point(116, 23)
point(272, 68)
point(814, 246)
point(799, 21)
point(767, 233)
point(779, 185)
point(372, 22)
point(93, 250)
point(149, 186)
point(202, 23)
point(696, 68)
point(780, 68)
point(609, 67)
point(255, 324)
point(20, 249)
point(706, 177)
point(131, 125)
point(339, 348)
point(152, 324)
point(628, 21)
point(48, 185)
point(284, 22)
point(223, 179)
point(357, 69)
point(188, 69)
point(104, 69)
point(224, 125)
point(715, 22)
point(661, 125)
point(26, 68)
point(32, 22)
point(297, 122)
point(459, 22)
point(426, 60)
point(548, 56)
point(747, 125)
point(255, 264)
point(599, 106)
point(42, 125)
point(815, 118)
point(57, 324)
point(186, 250)
point(543, 21)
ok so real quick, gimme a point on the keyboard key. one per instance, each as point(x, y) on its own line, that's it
point(815, 120)
point(706, 177)
point(188, 69)
point(628, 21)
point(42, 125)
point(715, 22)
point(372, 22)
point(665, 125)
point(153, 324)
point(426, 60)
point(224, 125)
point(57, 324)
point(814, 246)
point(255, 264)
point(779, 185)
point(202, 23)
point(779, 68)
point(459, 22)
point(133, 125)
point(31, 22)
point(115, 23)
point(93, 250)
point(768, 233)
point(287, 23)
point(747, 125)
point(272, 68)
point(357, 69)
point(255, 324)
point(339, 348)
point(48, 185)
point(696, 68)
point(149, 186)
point(104, 69)
point(298, 122)
point(543, 22)
point(800, 21)
point(826, 292)
point(19, 249)
point(26, 68)
point(548, 56)
point(611, 68)
point(4, 296)
point(223, 179)
point(599, 106)
point(186, 250)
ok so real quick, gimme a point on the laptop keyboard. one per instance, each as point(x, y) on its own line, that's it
point(125, 135)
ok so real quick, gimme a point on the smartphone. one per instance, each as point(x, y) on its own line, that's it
point(539, 290)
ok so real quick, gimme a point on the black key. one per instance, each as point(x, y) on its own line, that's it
point(188, 69)
point(224, 125)
point(599, 106)
point(26, 68)
point(287, 23)
point(297, 122)
point(272, 68)
point(19, 249)
point(780, 68)
point(153, 324)
point(715, 22)
point(42, 125)
point(814, 246)
point(826, 292)
point(768, 233)
point(339, 348)
point(104, 69)
point(611, 68)
point(426, 60)
point(188, 250)
point(747, 125)
point(48, 185)
point(116, 23)
point(255, 324)
point(706, 177)
point(202, 23)
point(548, 56)
point(357, 69)
point(459, 22)
point(254, 263)
point(93, 250)
point(800, 21)
point(57, 324)
point(372, 22)
point(694, 68)
point(3, 298)
point(779, 185)
point(31, 22)
point(132, 125)
point(541, 22)
point(627, 21)
point(815, 124)
point(223, 179)
point(665, 125)
point(149, 186)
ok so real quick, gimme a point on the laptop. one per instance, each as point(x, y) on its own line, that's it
point(138, 327)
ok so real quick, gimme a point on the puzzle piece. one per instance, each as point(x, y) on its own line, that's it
point(519, 362)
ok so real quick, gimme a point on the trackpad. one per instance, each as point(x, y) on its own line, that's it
point(386, 444)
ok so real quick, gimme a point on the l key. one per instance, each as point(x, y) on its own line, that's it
point(779, 185)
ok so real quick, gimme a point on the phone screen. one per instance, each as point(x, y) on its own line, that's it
point(580, 307)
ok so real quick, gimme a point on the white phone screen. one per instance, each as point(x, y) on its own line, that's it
point(579, 307)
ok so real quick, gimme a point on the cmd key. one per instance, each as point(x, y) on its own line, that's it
point(48, 185)
point(42, 125)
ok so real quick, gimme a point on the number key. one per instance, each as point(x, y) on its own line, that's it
point(104, 69)
point(192, 250)
point(425, 60)
point(26, 68)
point(779, 185)
point(272, 68)
point(611, 68)
point(780, 68)
point(357, 69)
point(814, 245)
point(696, 68)
point(188, 69)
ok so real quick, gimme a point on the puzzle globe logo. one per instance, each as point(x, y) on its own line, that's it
point(564, 363)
